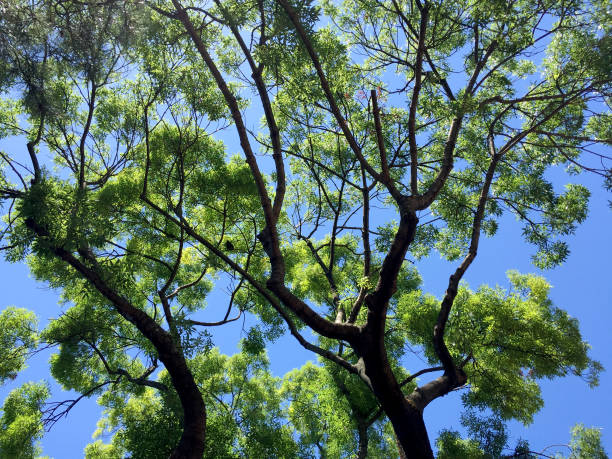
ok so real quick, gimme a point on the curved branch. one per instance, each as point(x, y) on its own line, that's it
point(453, 375)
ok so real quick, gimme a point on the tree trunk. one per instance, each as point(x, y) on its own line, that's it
point(411, 434)
point(406, 418)
point(191, 443)
point(400, 450)
point(362, 429)
point(407, 421)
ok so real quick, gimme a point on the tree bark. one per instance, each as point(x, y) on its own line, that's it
point(405, 416)
point(412, 435)
point(406, 419)
point(191, 443)
point(362, 429)
point(400, 450)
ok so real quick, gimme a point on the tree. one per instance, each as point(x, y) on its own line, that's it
point(244, 413)
point(447, 116)
point(21, 421)
point(584, 443)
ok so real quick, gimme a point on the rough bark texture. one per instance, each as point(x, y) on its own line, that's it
point(400, 450)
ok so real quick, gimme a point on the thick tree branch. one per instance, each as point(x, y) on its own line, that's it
point(302, 310)
point(232, 104)
point(269, 113)
point(192, 403)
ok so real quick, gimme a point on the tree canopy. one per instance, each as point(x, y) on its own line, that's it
point(305, 156)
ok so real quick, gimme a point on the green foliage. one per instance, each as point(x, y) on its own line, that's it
point(140, 183)
point(512, 338)
point(327, 409)
point(489, 432)
point(450, 445)
point(99, 450)
point(18, 337)
point(20, 424)
point(586, 442)
point(244, 417)
point(250, 414)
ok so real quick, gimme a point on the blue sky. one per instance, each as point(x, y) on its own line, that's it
point(583, 287)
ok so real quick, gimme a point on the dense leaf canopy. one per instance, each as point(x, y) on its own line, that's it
point(304, 156)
